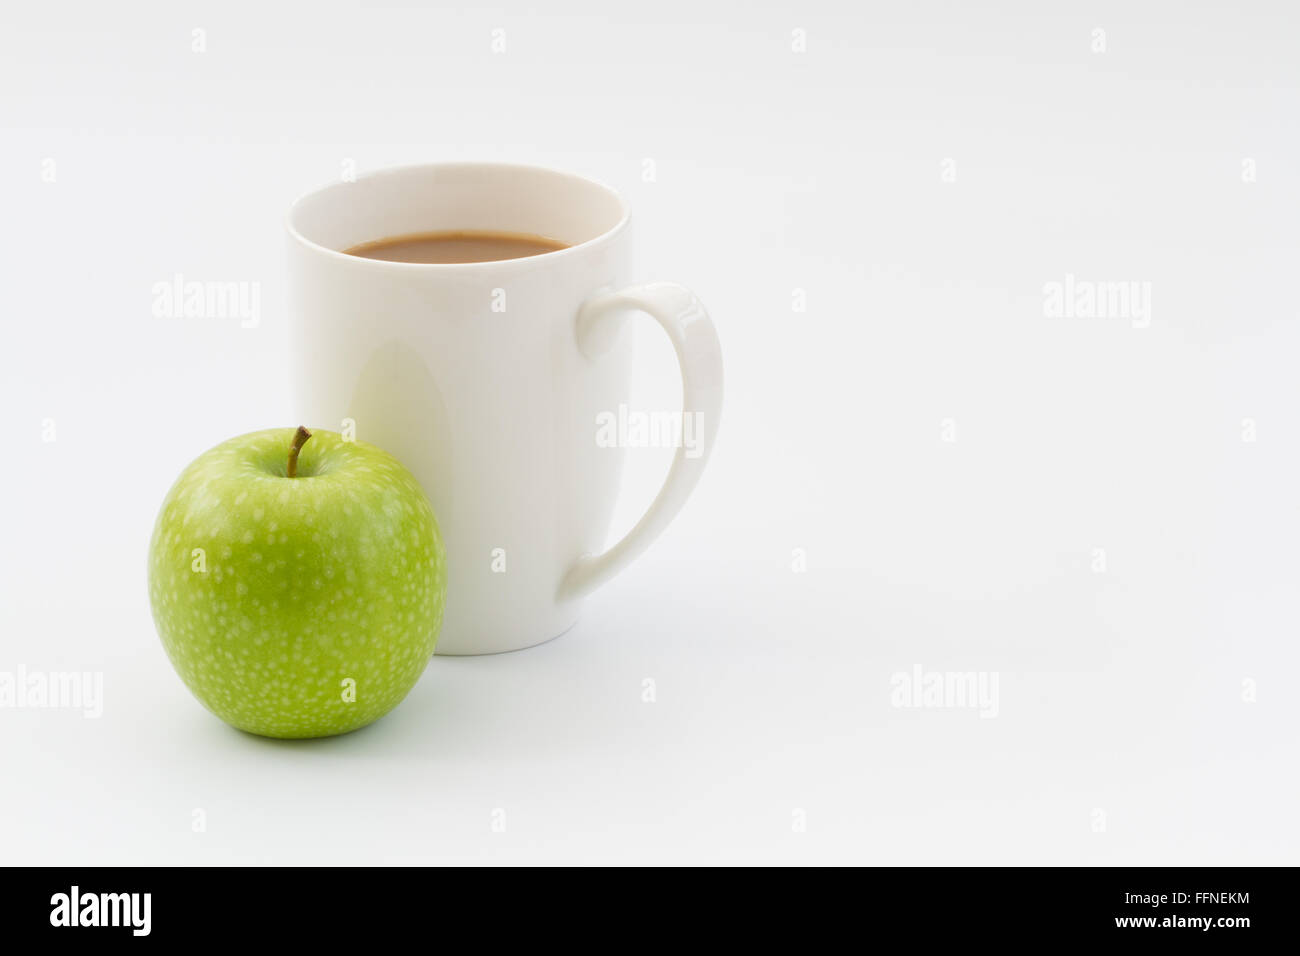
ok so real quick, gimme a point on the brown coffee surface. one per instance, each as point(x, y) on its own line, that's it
point(458, 245)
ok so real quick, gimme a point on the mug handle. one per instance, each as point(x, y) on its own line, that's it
point(699, 354)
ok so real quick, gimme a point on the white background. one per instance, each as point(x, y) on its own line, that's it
point(1146, 713)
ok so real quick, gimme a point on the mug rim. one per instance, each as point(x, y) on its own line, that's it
point(625, 214)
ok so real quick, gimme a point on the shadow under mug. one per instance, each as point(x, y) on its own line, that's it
point(487, 379)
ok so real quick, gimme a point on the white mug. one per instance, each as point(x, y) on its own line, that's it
point(488, 379)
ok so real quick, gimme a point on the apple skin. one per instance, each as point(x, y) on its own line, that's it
point(302, 584)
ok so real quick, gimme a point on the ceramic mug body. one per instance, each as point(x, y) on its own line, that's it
point(483, 378)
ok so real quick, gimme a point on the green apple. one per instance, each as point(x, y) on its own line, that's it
point(297, 585)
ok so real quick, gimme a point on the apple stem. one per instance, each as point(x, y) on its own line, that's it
point(299, 439)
